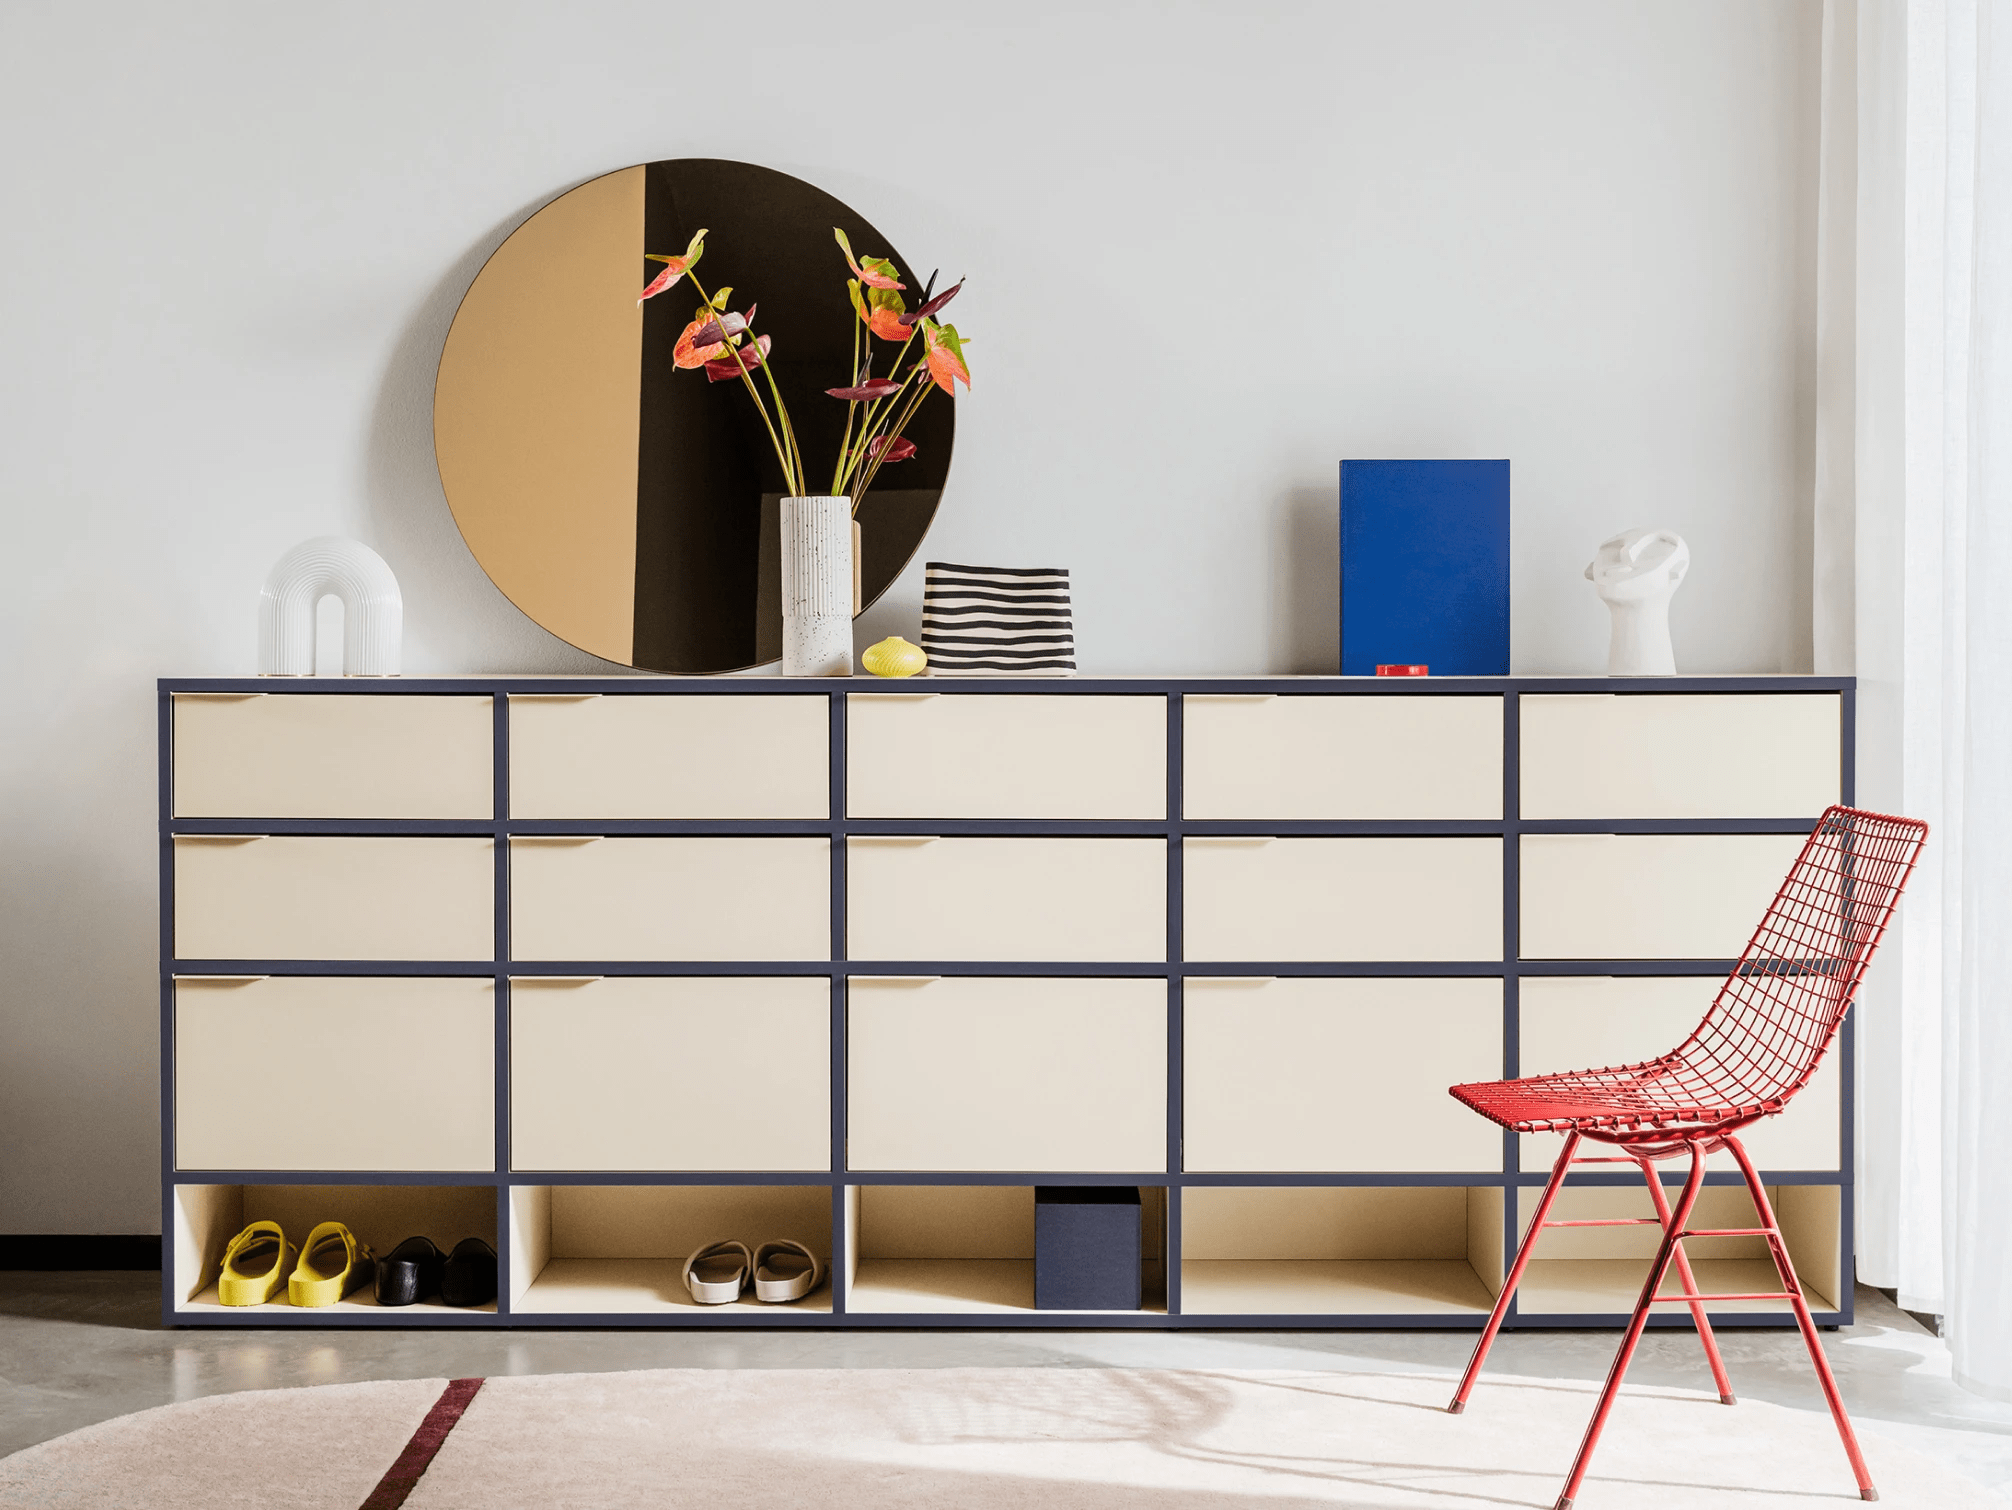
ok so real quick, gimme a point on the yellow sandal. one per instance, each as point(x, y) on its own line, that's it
point(332, 1263)
point(255, 1265)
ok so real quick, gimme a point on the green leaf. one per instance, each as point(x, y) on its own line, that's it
point(843, 244)
point(887, 298)
point(697, 245)
point(858, 303)
point(657, 257)
point(882, 266)
point(947, 336)
point(720, 298)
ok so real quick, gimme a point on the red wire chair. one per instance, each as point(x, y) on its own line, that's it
point(1758, 1045)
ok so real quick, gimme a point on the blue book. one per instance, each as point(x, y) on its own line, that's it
point(1425, 566)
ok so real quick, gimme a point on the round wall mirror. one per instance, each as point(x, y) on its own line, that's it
point(631, 507)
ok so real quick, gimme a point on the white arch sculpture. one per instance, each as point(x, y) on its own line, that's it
point(373, 614)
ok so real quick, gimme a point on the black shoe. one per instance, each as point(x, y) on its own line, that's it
point(470, 1277)
point(409, 1272)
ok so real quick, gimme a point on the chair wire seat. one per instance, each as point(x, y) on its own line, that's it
point(1773, 1019)
point(1761, 1040)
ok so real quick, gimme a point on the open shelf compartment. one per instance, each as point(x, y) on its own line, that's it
point(620, 1250)
point(917, 1250)
point(1340, 1250)
point(207, 1217)
point(1598, 1271)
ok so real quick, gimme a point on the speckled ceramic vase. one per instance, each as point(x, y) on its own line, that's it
point(817, 586)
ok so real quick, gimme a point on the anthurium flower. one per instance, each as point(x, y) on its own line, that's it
point(946, 356)
point(744, 359)
point(688, 352)
point(899, 449)
point(932, 305)
point(888, 325)
point(874, 272)
point(674, 267)
point(867, 392)
point(723, 327)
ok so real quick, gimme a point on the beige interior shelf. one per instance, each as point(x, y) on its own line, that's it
point(620, 1249)
point(1348, 1250)
point(207, 1217)
point(965, 1249)
point(1600, 1270)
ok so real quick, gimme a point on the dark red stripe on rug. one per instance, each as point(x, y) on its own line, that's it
point(401, 1476)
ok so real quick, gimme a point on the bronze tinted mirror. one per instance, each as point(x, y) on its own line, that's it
point(630, 507)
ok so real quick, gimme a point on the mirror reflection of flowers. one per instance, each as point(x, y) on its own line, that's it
point(878, 409)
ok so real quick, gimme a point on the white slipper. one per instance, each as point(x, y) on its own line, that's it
point(785, 1270)
point(718, 1272)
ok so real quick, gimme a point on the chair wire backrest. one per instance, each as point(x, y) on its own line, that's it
point(1771, 1022)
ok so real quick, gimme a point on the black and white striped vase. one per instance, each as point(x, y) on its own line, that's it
point(997, 621)
point(817, 586)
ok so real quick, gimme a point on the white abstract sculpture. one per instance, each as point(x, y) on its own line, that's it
point(1636, 573)
point(373, 614)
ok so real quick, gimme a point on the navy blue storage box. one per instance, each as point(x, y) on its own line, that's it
point(1087, 1248)
point(1425, 566)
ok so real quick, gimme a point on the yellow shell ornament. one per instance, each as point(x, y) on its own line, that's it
point(894, 656)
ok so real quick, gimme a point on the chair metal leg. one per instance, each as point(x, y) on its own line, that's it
point(1672, 1234)
point(1705, 1336)
point(1515, 1276)
point(1778, 1250)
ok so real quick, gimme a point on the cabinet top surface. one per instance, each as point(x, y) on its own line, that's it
point(490, 683)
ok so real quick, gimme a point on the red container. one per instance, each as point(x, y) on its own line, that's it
point(1402, 671)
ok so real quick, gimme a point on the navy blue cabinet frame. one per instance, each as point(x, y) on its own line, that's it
point(501, 826)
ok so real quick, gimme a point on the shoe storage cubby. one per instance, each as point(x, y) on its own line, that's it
point(1578, 1271)
point(204, 1218)
point(605, 969)
point(619, 1250)
point(1341, 1250)
point(950, 1250)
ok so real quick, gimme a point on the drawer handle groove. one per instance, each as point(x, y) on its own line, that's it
point(220, 838)
point(1222, 839)
point(219, 980)
point(555, 980)
point(221, 697)
point(555, 697)
point(907, 839)
point(556, 838)
point(892, 980)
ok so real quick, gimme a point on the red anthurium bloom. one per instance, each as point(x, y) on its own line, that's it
point(900, 449)
point(723, 327)
point(886, 324)
point(946, 357)
point(674, 267)
point(867, 392)
point(874, 272)
point(934, 304)
point(745, 359)
point(688, 353)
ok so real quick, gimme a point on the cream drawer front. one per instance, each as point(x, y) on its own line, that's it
point(1587, 1022)
point(1342, 899)
point(670, 899)
point(309, 755)
point(1007, 1074)
point(1306, 1074)
point(316, 897)
point(1648, 896)
point(1680, 755)
point(308, 1073)
point(645, 756)
point(681, 1073)
point(1005, 755)
point(1341, 757)
point(1006, 899)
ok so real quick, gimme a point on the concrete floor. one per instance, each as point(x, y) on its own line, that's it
point(80, 1348)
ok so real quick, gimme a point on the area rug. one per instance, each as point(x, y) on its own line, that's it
point(973, 1439)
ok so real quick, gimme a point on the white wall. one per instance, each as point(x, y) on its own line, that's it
point(1212, 250)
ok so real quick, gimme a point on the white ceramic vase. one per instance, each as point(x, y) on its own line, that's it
point(817, 586)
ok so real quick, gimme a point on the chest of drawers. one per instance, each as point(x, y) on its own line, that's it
point(605, 969)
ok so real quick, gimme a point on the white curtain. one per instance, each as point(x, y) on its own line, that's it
point(1913, 592)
